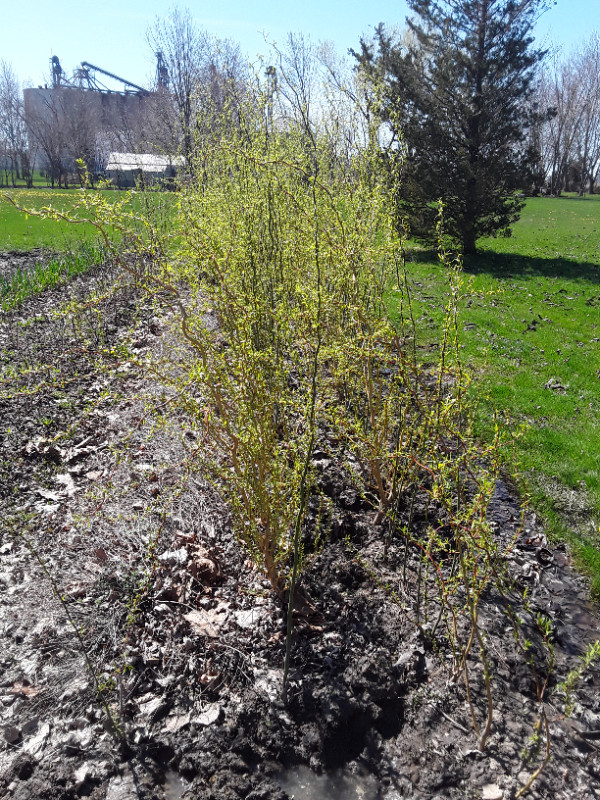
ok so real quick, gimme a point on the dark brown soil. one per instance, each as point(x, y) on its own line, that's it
point(120, 579)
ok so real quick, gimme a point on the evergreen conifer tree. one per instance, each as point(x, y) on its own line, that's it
point(457, 90)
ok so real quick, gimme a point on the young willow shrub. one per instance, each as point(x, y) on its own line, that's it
point(277, 261)
point(288, 259)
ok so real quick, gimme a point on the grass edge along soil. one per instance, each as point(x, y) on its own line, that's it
point(530, 337)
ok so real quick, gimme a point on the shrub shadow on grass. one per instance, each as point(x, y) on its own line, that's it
point(418, 255)
point(506, 266)
point(512, 265)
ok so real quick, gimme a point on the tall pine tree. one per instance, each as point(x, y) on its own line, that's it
point(457, 89)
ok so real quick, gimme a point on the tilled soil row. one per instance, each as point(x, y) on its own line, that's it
point(121, 584)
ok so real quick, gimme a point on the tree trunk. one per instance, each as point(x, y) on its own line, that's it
point(469, 246)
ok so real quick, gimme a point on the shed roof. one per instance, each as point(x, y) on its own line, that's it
point(144, 162)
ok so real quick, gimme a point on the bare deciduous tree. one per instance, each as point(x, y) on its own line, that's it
point(183, 47)
point(587, 134)
point(204, 73)
point(569, 139)
point(44, 117)
point(13, 141)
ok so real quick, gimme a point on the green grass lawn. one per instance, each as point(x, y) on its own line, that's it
point(530, 335)
point(19, 231)
point(71, 248)
point(39, 179)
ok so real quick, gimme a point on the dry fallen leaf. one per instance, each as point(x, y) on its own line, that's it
point(210, 715)
point(177, 722)
point(67, 481)
point(205, 566)
point(75, 454)
point(206, 623)
point(210, 680)
point(48, 495)
point(41, 446)
point(94, 475)
point(77, 590)
point(25, 689)
point(188, 538)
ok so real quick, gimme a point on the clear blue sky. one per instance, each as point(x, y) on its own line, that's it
point(112, 33)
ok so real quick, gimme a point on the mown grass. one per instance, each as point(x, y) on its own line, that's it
point(70, 248)
point(530, 334)
point(23, 232)
point(39, 179)
point(19, 231)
